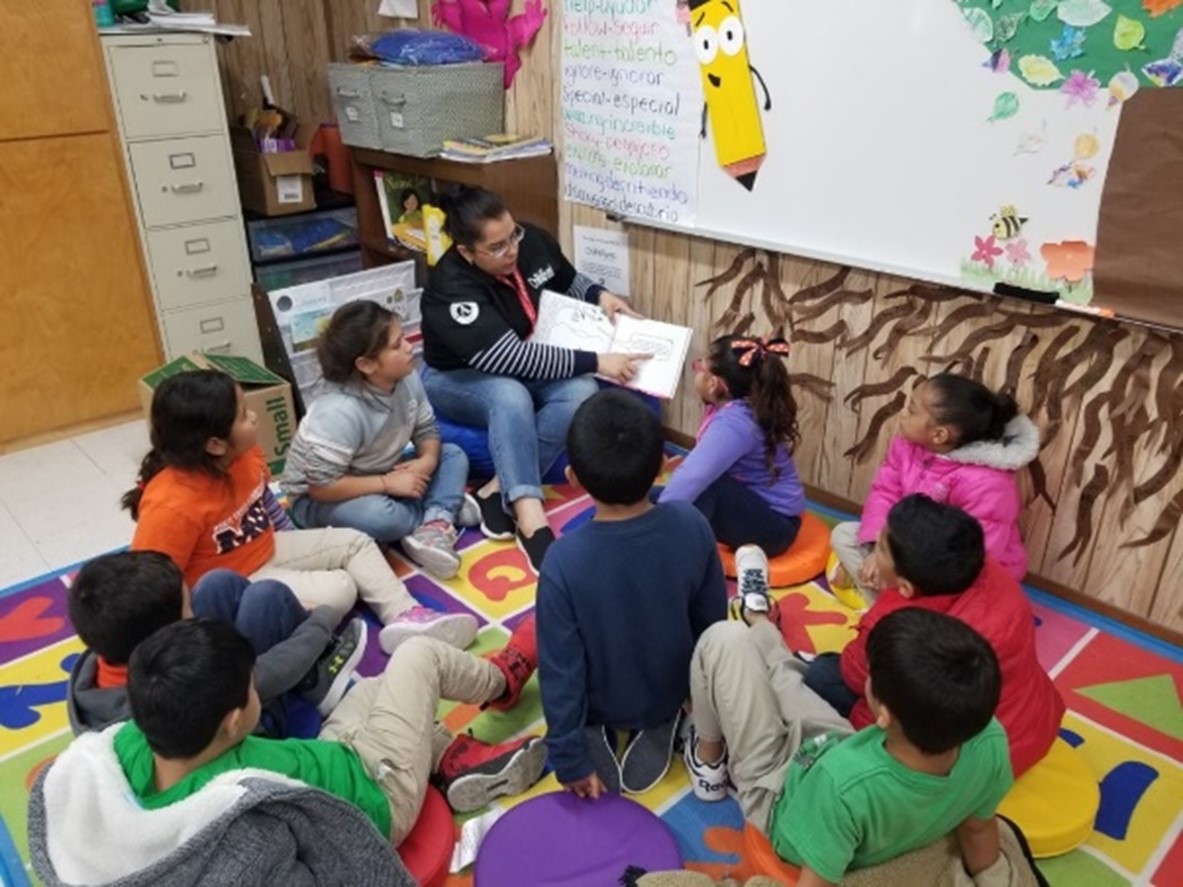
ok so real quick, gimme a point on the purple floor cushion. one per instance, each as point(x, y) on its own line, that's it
point(559, 840)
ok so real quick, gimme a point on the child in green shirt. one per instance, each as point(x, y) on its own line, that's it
point(194, 708)
point(831, 800)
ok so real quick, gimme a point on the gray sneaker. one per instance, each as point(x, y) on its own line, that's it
point(433, 547)
point(325, 684)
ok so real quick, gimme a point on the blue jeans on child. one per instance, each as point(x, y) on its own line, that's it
point(387, 518)
point(824, 677)
point(267, 614)
point(740, 516)
point(527, 419)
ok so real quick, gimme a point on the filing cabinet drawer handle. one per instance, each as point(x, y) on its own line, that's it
point(348, 93)
point(204, 271)
point(167, 98)
point(188, 187)
point(394, 100)
point(220, 348)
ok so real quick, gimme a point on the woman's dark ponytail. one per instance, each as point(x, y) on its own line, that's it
point(466, 209)
point(970, 408)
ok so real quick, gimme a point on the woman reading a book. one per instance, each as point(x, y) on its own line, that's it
point(479, 309)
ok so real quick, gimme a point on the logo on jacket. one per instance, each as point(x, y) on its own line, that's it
point(540, 277)
point(464, 313)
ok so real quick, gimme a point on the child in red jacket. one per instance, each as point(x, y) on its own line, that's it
point(933, 556)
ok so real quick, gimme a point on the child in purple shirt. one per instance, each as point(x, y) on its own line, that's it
point(741, 474)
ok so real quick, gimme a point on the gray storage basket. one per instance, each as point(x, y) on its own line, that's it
point(419, 107)
point(349, 86)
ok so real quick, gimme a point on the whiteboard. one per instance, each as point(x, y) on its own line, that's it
point(881, 151)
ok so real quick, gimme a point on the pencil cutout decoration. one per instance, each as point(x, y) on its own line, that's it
point(729, 88)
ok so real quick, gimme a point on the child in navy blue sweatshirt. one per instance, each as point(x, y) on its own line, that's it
point(622, 600)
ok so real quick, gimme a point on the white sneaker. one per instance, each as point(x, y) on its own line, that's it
point(709, 781)
point(455, 629)
point(751, 574)
point(469, 514)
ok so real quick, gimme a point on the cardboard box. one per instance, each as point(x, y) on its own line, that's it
point(266, 393)
point(274, 184)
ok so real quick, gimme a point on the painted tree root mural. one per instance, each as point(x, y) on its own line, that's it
point(1122, 385)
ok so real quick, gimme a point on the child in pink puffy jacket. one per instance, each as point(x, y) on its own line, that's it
point(958, 443)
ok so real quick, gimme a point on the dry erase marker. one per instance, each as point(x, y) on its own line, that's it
point(1087, 309)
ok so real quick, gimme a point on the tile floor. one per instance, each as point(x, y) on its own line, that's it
point(59, 503)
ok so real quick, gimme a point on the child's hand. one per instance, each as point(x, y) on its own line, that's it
point(404, 484)
point(588, 787)
point(868, 573)
point(421, 465)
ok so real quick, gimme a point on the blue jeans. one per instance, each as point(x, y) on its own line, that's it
point(527, 419)
point(824, 677)
point(265, 613)
point(740, 516)
point(387, 518)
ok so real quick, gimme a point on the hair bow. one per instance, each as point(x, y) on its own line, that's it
point(753, 350)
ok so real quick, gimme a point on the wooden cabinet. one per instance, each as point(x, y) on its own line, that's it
point(529, 186)
point(76, 327)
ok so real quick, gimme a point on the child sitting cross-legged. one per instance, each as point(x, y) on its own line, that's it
point(621, 602)
point(118, 600)
point(933, 556)
point(933, 762)
point(178, 783)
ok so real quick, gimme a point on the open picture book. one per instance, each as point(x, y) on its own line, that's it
point(571, 323)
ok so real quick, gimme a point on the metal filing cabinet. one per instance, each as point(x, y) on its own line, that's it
point(172, 125)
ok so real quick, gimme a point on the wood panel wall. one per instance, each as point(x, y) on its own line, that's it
point(1104, 505)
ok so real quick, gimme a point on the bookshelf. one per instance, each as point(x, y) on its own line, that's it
point(530, 186)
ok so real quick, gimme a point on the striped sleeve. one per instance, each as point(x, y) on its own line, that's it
point(583, 287)
point(511, 356)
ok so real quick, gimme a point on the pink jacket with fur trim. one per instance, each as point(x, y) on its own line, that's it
point(978, 478)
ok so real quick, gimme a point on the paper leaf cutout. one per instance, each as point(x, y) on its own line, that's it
point(999, 61)
point(1006, 105)
point(1039, 70)
point(1159, 7)
point(1008, 25)
point(1032, 142)
point(1069, 45)
point(1122, 85)
point(1165, 72)
point(980, 24)
point(1082, 13)
point(1041, 9)
point(1128, 33)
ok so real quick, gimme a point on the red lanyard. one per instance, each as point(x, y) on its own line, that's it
point(519, 285)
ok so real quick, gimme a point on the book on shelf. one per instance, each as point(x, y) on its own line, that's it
point(402, 197)
point(492, 148)
point(571, 323)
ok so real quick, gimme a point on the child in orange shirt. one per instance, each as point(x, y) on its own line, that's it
point(202, 498)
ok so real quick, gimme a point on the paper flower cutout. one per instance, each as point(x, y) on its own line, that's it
point(986, 250)
point(1068, 260)
point(1160, 7)
point(1081, 87)
point(1017, 253)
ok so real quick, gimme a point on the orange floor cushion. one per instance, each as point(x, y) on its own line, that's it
point(763, 859)
point(804, 560)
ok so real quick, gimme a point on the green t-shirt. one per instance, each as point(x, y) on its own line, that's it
point(330, 766)
point(848, 804)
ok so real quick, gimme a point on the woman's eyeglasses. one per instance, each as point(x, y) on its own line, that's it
point(501, 250)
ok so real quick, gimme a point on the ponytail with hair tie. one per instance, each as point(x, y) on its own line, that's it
point(753, 350)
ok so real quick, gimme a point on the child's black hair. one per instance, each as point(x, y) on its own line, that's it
point(971, 409)
point(356, 329)
point(764, 383)
point(187, 410)
point(938, 548)
point(119, 600)
point(467, 209)
point(615, 447)
point(408, 193)
point(937, 676)
point(184, 680)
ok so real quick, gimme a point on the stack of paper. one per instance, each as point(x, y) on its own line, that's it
point(490, 149)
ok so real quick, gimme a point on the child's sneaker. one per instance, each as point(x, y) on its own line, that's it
point(433, 547)
point(456, 629)
point(473, 773)
point(517, 660)
point(535, 547)
point(601, 751)
point(709, 781)
point(646, 759)
point(751, 573)
point(469, 514)
point(326, 682)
